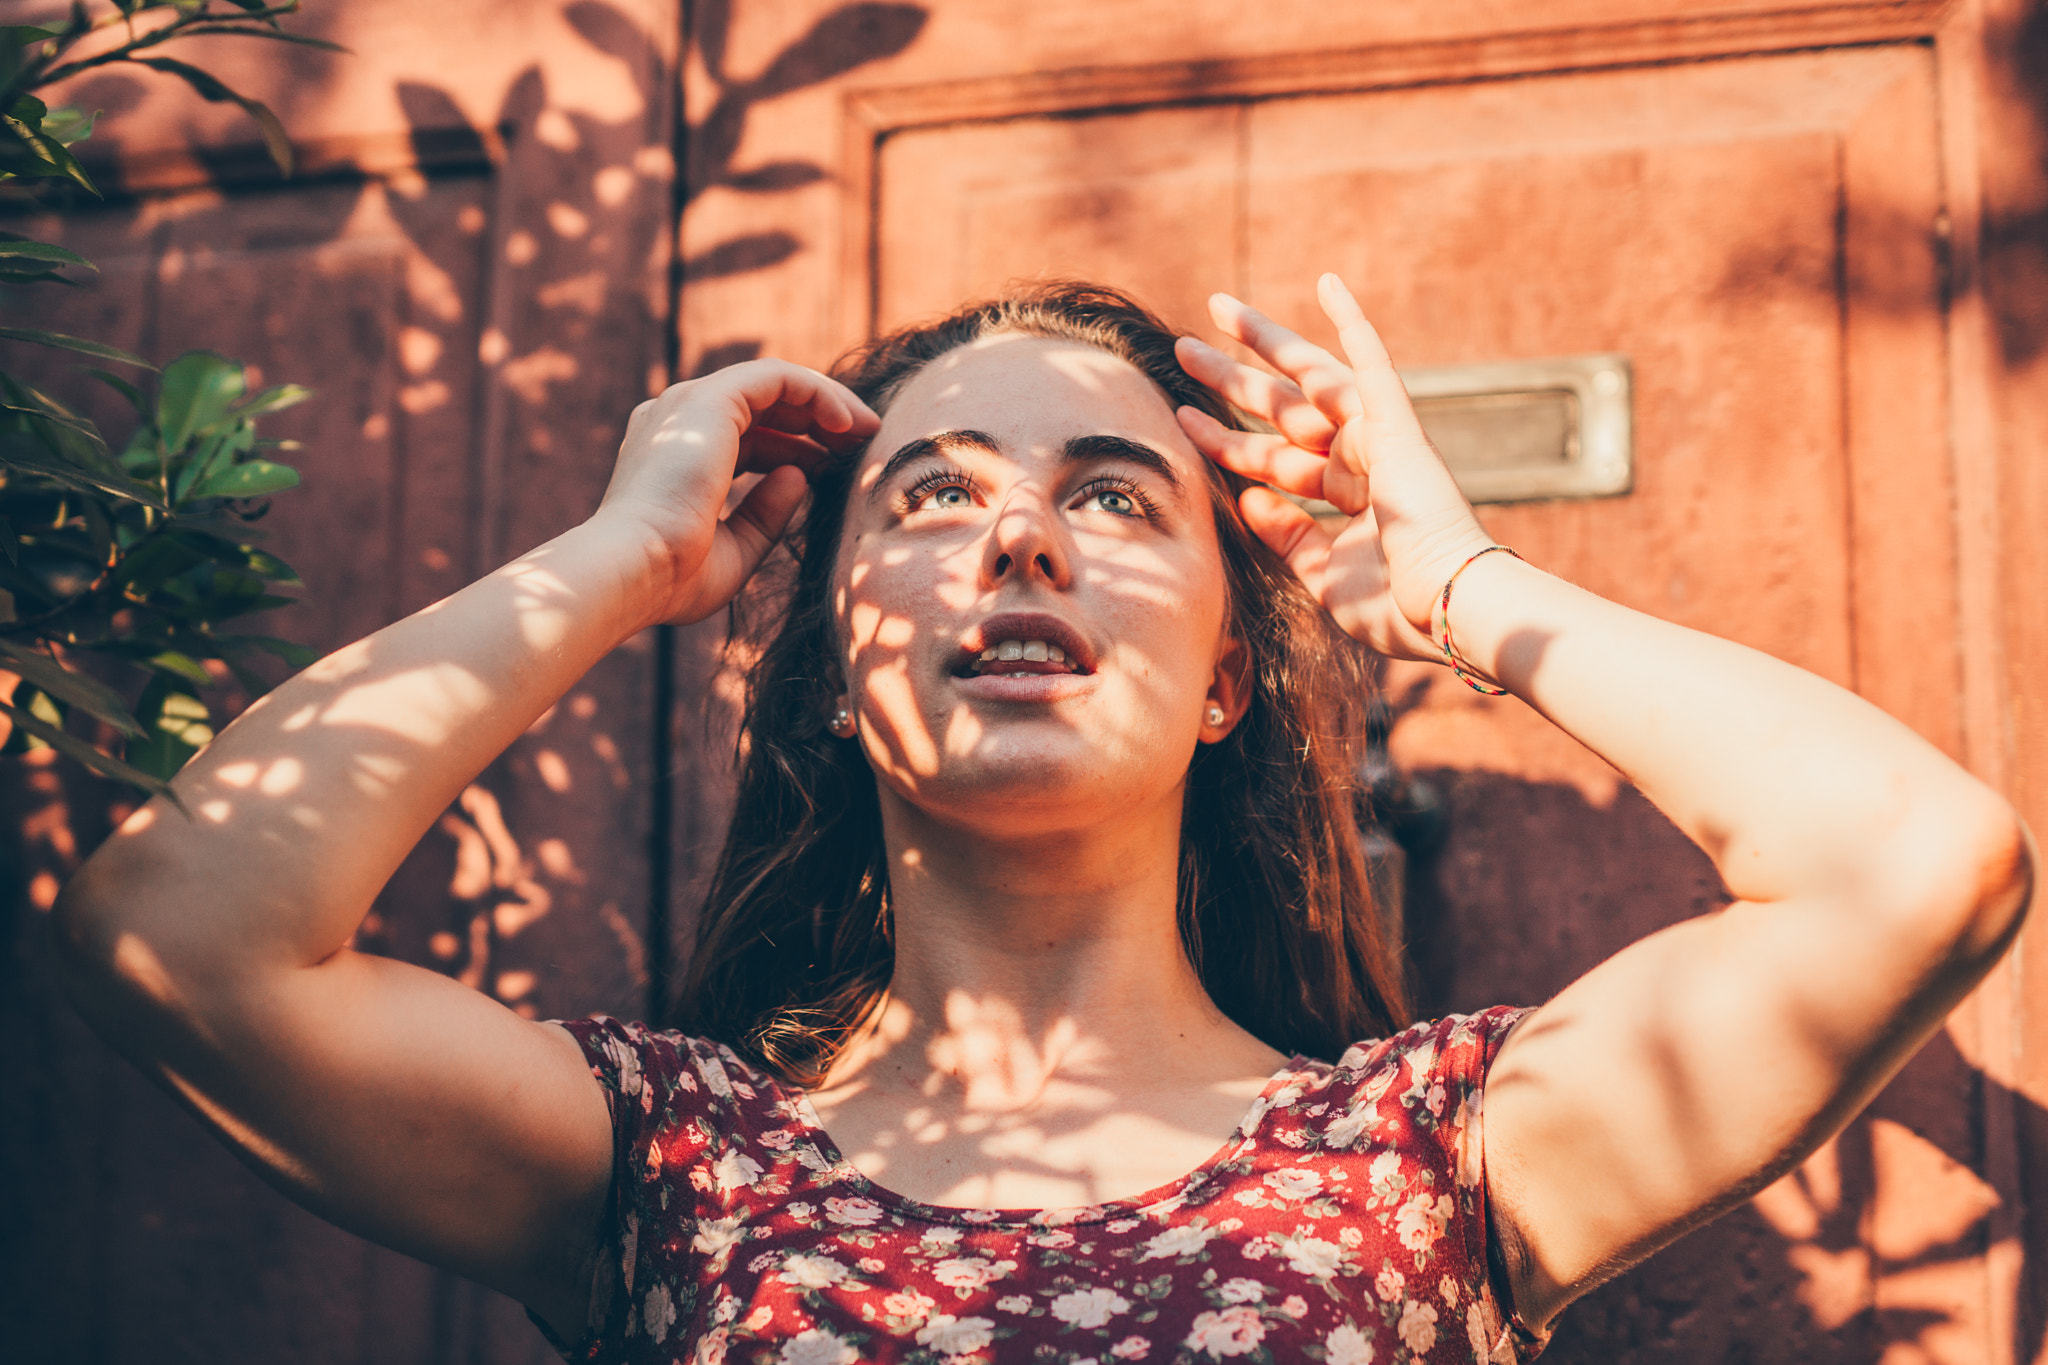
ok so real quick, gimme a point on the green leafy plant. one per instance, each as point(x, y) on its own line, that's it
point(126, 567)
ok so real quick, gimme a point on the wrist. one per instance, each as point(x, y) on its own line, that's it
point(1472, 632)
point(1443, 635)
point(629, 569)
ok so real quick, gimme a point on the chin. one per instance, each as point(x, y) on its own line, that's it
point(1025, 780)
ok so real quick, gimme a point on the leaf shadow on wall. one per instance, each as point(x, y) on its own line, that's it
point(1863, 1250)
point(841, 41)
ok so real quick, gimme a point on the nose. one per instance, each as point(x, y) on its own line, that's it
point(1026, 541)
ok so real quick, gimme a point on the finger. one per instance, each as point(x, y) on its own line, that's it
point(833, 409)
point(1322, 378)
point(1288, 532)
point(1279, 401)
point(761, 518)
point(797, 420)
point(763, 449)
point(1269, 459)
point(1383, 398)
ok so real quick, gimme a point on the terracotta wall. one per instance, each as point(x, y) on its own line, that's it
point(1821, 234)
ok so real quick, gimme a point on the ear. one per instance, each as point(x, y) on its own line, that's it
point(1230, 691)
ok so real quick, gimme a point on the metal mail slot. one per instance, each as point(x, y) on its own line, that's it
point(1516, 430)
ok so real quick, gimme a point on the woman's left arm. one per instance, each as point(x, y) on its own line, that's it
point(1875, 881)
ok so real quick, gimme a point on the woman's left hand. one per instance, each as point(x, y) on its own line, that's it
point(1349, 436)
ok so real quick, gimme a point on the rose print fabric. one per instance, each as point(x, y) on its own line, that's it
point(1344, 1223)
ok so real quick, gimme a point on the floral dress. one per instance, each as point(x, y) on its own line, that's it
point(1345, 1222)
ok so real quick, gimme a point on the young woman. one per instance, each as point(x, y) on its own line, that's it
point(1038, 1010)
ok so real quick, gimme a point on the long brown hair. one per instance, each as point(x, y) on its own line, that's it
point(794, 943)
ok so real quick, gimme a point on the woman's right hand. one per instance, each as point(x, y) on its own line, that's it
point(684, 449)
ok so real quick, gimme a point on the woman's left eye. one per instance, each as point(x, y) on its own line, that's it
point(1118, 501)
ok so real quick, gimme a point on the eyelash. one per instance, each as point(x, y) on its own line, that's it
point(932, 480)
point(1117, 483)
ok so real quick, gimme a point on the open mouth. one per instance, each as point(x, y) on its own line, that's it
point(1023, 644)
point(1020, 656)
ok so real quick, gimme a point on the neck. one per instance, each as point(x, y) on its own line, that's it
point(1022, 959)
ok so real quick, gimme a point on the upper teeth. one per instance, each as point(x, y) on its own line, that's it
point(1032, 651)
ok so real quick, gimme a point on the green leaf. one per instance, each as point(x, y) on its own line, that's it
point(42, 251)
point(294, 655)
point(13, 39)
point(73, 476)
point(44, 422)
point(87, 694)
point(125, 389)
point(31, 274)
point(165, 749)
point(212, 90)
point(150, 564)
point(78, 750)
point(249, 479)
point(226, 608)
point(197, 390)
point(269, 565)
point(69, 126)
point(183, 666)
point(25, 152)
point(199, 464)
point(275, 400)
point(99, 350)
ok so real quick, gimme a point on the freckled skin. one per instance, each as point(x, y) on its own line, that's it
point(1146, 591)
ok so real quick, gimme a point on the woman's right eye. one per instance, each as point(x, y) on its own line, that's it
point(940, 491)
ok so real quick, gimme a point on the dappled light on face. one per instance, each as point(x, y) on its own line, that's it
point(1087, 367)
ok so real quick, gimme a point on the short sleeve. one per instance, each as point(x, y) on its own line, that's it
point(1420, 1096)
point(674, 1103)
point(1466, 1050)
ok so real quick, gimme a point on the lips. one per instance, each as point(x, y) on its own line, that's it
point(1024, 643)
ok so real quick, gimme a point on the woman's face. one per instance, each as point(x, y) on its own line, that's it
point(1030, 591)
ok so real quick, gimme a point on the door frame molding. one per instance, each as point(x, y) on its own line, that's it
point(871, 115)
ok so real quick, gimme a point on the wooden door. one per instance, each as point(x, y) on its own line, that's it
point(1765, 212)
point(1757, 234)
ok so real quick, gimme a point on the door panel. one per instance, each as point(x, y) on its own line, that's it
point(1148, 201)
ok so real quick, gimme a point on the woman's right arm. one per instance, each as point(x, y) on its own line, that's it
point(212, 949)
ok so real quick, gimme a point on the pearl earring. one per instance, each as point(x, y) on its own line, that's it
point(842, 723)
point(1215, 716)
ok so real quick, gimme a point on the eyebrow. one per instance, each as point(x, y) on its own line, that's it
point(1077, 450)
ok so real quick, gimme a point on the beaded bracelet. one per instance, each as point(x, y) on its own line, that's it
point(1440, 624)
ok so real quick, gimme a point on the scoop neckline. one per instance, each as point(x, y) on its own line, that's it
point(838, 1168)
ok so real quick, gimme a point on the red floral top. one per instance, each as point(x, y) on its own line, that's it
point(1345, 1223)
